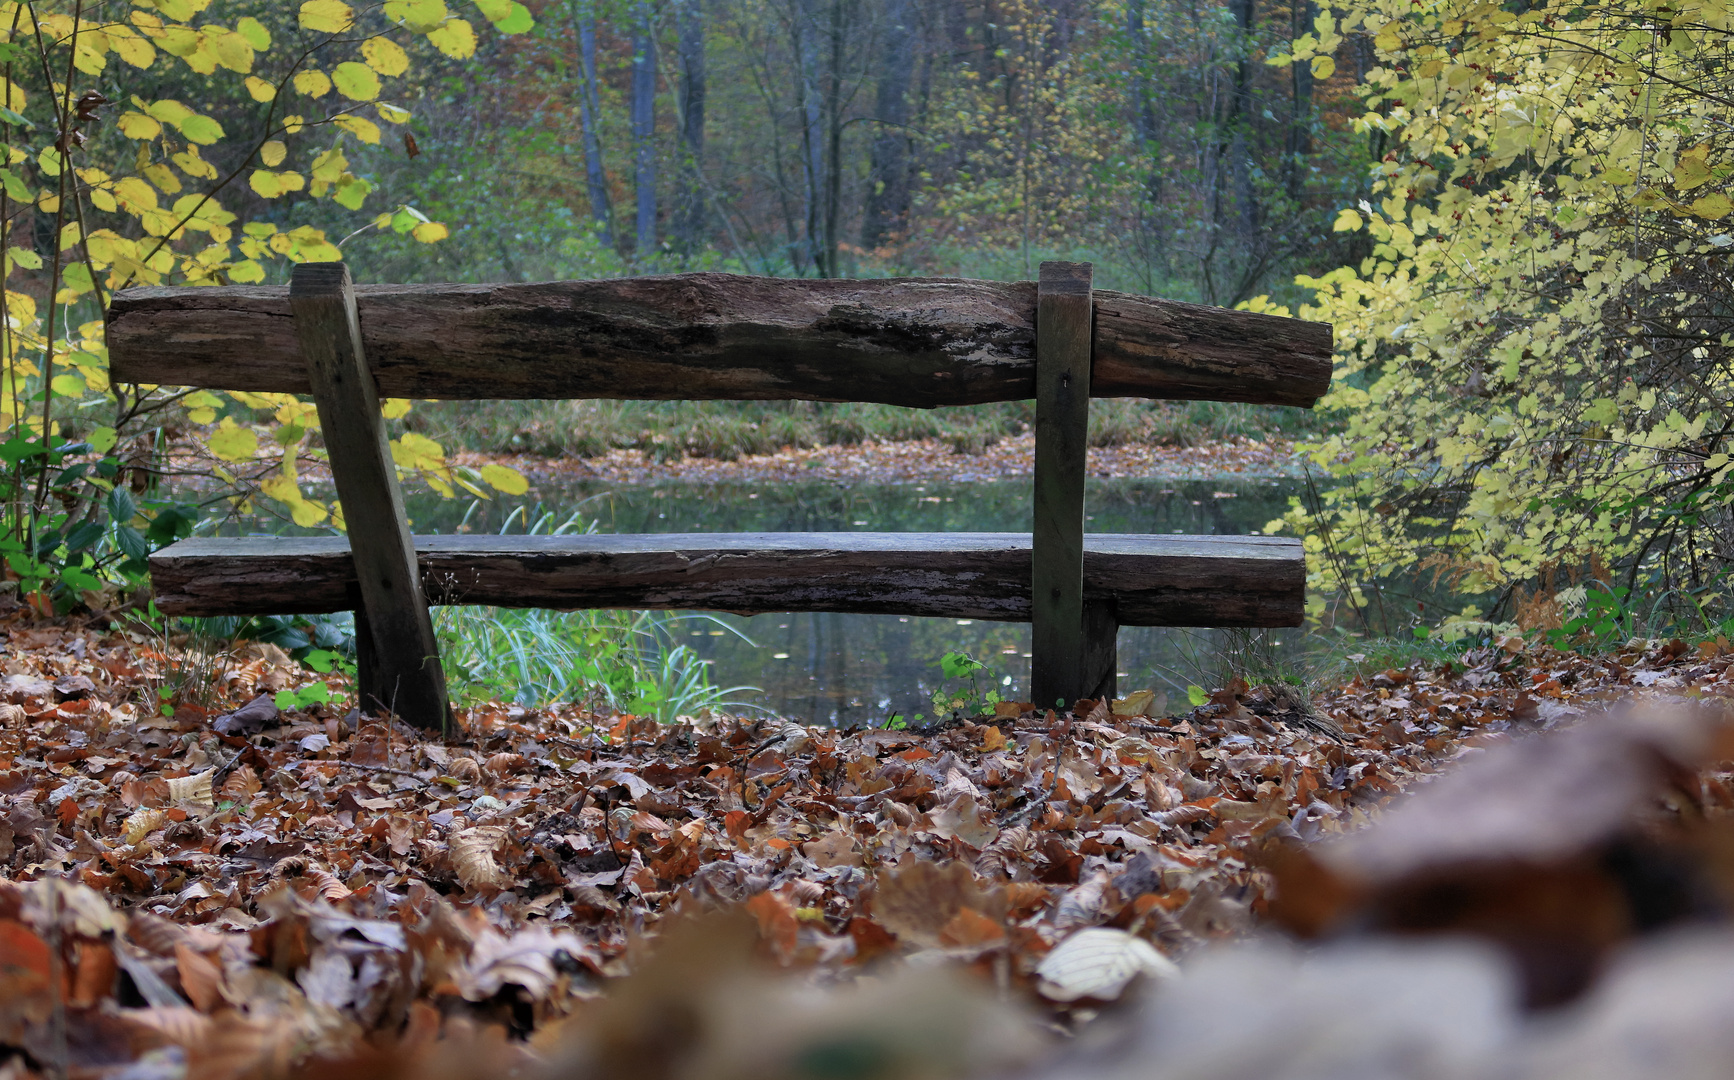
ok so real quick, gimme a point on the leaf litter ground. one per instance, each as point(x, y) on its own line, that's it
point(914, 461)
point(234, 891)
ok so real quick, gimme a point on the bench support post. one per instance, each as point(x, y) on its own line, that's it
point(1064, 313)
point(399, 669)
point(1101, 650)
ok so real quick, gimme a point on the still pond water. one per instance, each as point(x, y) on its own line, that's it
point(860, 669)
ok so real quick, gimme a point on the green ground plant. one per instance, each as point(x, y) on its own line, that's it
point(626, 661)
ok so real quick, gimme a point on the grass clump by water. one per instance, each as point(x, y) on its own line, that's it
point(727, 430)
point(619, 661)
point(622, 661)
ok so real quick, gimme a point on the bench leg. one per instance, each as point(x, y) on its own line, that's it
point(1064, 314)
point(1101, 650)
point(393, 629)
point(368, 683)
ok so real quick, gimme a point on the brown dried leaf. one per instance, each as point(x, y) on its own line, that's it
point(194, 790)
point(141, 823)
point(201, 980)
point(835, 848)
point(915, 900)
point(175, 1025)
point(472, 855)
point(242, 785)
point(527, 959)
point(966, 821)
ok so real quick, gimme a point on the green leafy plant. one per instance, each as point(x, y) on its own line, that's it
point(1534, 354)
point(313, 693)
point(97, 532)
point(301, 636)
point(325, 662)
point(110, 180)
point(1607, 621)
point(965, 700)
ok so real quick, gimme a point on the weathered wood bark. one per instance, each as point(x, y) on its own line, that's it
point(1148, 580)
point(402, 673)
point(919, 342)
point(1062, 441)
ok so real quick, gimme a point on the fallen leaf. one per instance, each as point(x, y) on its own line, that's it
point(1098, 963)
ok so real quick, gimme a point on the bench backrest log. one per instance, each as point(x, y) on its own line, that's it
point(911, 342)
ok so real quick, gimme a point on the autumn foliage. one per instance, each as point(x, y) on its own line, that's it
point(234, 891)
point(1534, 357)
point(112, 180)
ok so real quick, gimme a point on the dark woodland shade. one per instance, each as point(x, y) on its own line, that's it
point(1148, 580)
point(915, 342)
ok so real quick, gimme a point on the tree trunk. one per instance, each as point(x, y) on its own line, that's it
point(806, 50)
point(1300, 138)
point(838, 40)
point(1241, 145)
point(692, 218)
point(1149, 126)
point(590, 115)
point(644, 131)
point(887, 216)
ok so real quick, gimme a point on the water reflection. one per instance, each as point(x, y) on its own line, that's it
point(859, 669)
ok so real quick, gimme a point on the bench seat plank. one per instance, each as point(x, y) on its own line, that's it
point(1151, 580)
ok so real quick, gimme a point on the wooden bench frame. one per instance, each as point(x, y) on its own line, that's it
point(911, 342)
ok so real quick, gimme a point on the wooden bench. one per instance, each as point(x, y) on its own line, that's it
point(913, 342)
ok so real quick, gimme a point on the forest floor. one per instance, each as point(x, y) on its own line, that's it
point(219, 889)
point(912, 461)
point(907, 461)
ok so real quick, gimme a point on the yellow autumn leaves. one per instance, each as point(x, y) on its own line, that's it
point(1692, 169)
point(1532, 363)
point(448, 33)
point(155, 213)
point(360, 81)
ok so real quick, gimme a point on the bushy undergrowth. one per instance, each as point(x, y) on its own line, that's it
point(1535, 360)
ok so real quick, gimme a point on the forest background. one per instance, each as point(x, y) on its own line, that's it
point(1512, 213)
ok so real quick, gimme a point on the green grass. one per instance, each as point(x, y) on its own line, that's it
point(726, 430)
point(621, 661)
point(618, 661)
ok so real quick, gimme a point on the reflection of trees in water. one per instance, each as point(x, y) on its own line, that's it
point(1158, 506)
point(840, 667)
